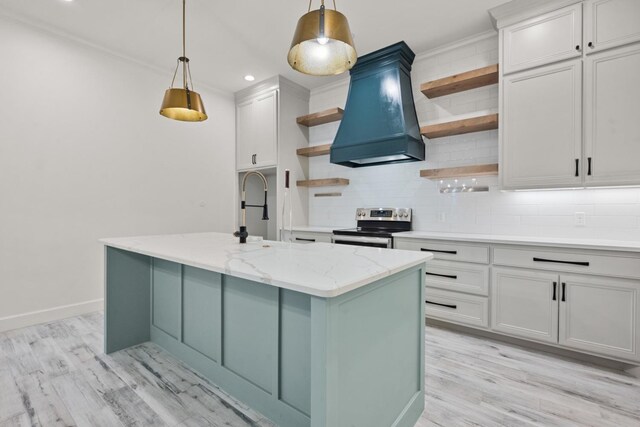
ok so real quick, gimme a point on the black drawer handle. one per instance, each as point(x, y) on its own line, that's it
point(564, 292)
point(577, 167)
point(589, 166)
point(441, 275)
point(581, 263)
point(555, 285)
point(442, 305)
point(305, 240)
point(440, 252)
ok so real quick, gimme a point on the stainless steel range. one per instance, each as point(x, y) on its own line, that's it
point(375, 227)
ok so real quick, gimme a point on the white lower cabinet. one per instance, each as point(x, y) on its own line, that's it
point(600, 315)
point(455, 307)
point(309, 237)
point(580, 299)
point(594, 314)
point(524, 303)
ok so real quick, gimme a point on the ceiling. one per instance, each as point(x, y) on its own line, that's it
point(227, 40)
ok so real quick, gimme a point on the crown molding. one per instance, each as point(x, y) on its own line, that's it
point(65, 36)
point(520, 10)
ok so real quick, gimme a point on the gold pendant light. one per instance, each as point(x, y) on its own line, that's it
point(322, 44)
point(183, 103)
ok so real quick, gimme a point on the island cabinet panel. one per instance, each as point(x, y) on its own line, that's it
point(249, 330)
point(127, 307)
point(167, 278)
point(352, 326)
point(201, 314)
point(295, 350)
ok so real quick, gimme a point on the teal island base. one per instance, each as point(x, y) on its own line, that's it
point(300, 360)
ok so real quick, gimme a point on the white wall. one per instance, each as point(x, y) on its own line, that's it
point(84, 154)
point(611, 213)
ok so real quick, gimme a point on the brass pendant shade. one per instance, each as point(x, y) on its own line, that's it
point(183, 103)
point(322, 44)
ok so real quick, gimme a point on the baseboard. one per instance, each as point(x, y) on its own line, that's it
point(49, 315)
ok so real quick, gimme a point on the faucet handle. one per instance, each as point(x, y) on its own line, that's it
point(242, 234)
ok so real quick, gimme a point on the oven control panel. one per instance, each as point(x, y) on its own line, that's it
point(383, 214)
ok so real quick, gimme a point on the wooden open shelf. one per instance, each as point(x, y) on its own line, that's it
point(460, 82)
point(326, 182)
point(326, 116)
point(460, 172)
point(318, 150)
point(459, 127)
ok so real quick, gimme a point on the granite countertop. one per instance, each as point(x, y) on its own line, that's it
point(319, 269)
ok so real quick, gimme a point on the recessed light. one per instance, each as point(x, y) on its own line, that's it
point(249, 78)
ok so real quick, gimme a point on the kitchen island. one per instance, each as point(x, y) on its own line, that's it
point(307, 334)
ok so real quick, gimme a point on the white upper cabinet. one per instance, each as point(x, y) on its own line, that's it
point(610, 23)
point(612, 117)
point(541, 135)
point(257, 132)
point(600, 315)
point(542, 40)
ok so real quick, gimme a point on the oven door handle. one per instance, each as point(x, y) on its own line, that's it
point(361, 239)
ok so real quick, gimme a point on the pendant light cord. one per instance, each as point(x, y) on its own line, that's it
point(184, 44)
point(322, 1)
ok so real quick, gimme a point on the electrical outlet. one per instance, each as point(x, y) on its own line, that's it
point(442, 217)
point(580, 219)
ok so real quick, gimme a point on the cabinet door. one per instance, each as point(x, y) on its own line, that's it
point(266, 130)
point(612, 139)
point(541, 139)
point(245, 136)
point(542, 40)
point(611, 23)
point(600, 315)
point(524, 303)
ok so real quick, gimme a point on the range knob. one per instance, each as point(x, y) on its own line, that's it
point(395, 215)
point(406, 214)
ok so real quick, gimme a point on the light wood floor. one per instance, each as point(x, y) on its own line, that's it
point(57, 375)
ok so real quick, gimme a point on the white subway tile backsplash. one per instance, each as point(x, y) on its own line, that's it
point(611, 213)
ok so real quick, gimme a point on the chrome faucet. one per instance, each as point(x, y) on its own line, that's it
point(242, 233)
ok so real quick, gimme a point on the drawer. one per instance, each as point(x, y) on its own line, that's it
point(458, 276)
point(613, 264)
point(309, 237)
point(445, 250)
point(453, 307)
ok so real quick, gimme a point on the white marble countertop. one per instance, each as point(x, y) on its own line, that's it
point(319, 269)
point(599, 244)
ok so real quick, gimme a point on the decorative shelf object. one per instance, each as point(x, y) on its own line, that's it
point(459, 127)
point(460, 171)
point(460, 82)
point(317, 150)
point(326, 182)
point(322, 117)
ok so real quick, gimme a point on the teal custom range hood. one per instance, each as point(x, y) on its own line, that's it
point(380, 125)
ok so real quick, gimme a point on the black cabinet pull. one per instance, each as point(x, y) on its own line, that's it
point(441, 275)
point(577, 167)
point(589, 166)
point(305, 240)
point(590, 45)
point(440, 252)
point(555, 285)
point(555, 261)
point(442, 305)
point(564, 292)
point(578, 47)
